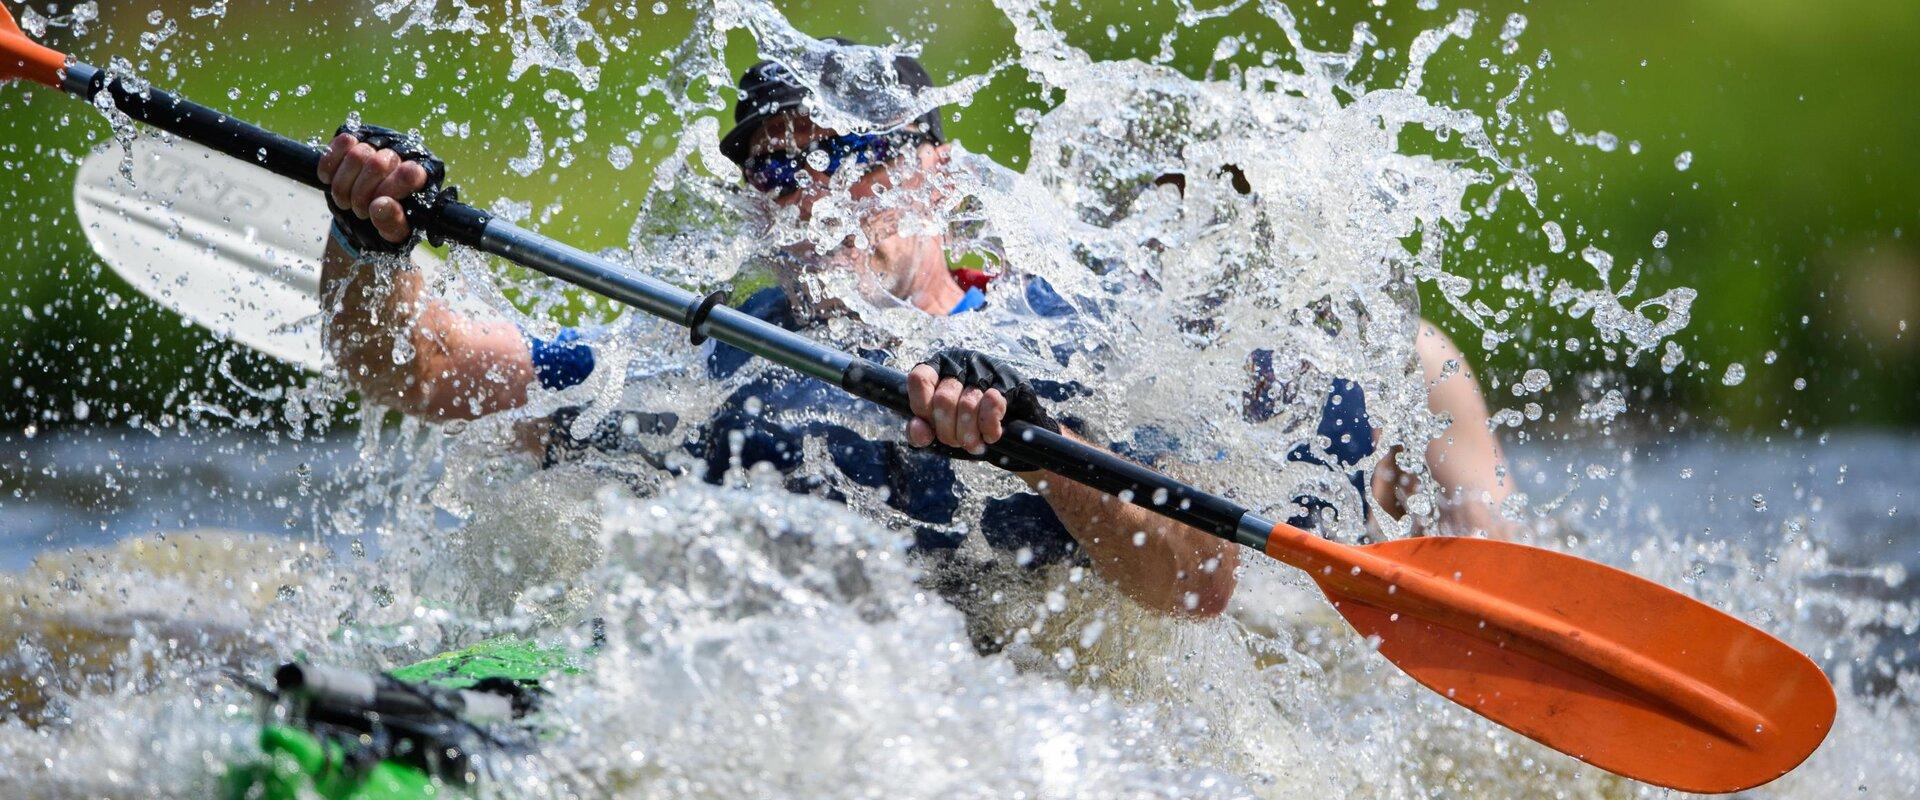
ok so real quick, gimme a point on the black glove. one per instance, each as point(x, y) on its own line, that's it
point(360, 232)
point(977, 370)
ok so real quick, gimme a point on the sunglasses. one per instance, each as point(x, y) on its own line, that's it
point(778, 173)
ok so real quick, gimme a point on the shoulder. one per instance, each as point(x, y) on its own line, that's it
point(1435, 349)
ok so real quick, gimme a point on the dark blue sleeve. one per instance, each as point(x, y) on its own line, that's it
point(561, 362)
point(1349, 432)
point(740, 432)
point(1344, 421)
point(1045, 301)
point(1026, 520)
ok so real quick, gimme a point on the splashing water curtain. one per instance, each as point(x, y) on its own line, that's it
point(1605, 666)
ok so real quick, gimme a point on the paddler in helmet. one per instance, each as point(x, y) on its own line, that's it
point(466, 367)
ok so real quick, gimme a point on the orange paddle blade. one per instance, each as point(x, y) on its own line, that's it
point(1600, 664)
point(21, 57)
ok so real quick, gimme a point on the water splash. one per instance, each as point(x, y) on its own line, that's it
point(1311, 210)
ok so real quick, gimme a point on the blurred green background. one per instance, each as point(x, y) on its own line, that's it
point(1794, 220)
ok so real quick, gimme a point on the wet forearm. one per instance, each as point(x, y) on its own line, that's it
point(405, 349)
point(1466, 461)
point(364, 312)
point(1160, 564)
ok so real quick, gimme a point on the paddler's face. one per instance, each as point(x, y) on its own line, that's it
point(795, 133)
point(882, 194)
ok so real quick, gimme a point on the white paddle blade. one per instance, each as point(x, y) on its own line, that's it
point(228, 245)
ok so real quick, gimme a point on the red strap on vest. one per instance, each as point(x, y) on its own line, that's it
point(972, 279)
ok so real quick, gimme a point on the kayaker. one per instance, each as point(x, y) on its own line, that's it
point(466, 367)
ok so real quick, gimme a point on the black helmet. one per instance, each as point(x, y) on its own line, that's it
point(768, 88)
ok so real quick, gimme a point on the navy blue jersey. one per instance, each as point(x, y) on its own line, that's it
point(768, 420)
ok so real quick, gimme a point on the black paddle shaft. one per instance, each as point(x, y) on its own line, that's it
point(446, 219)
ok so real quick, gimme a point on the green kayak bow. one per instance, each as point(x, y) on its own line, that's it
point(432, 729)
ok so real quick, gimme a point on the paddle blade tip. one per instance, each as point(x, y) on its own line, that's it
point(1600, 664)
point(24, 58)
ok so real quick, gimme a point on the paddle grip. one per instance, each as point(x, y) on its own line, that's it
point(1070, 459)
point(210, 128)
point(439, 215)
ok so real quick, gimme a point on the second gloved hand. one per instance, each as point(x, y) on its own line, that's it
point(961, 400)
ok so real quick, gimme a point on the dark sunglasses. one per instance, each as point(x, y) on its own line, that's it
point(778, 173)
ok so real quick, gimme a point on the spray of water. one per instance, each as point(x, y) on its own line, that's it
point(760, 643)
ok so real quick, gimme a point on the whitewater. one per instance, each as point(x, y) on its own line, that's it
point(754, 642)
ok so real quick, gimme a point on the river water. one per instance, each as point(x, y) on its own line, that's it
point(771, 645)
point(760, 643)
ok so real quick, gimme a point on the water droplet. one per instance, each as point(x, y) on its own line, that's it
point(1556, 238)
point(1684, 161)
point(1672, 356)
point(1516, 24)
point(1557, 121)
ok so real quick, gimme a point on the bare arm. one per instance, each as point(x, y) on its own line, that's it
point(1466, 460)
point(1160, 564)
point(399, 345)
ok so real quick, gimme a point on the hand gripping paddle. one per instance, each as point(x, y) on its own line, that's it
point(1599, 664)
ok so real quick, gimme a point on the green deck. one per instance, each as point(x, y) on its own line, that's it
point(294, 764)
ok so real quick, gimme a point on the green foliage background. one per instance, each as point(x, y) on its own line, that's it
point(1795, 221)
